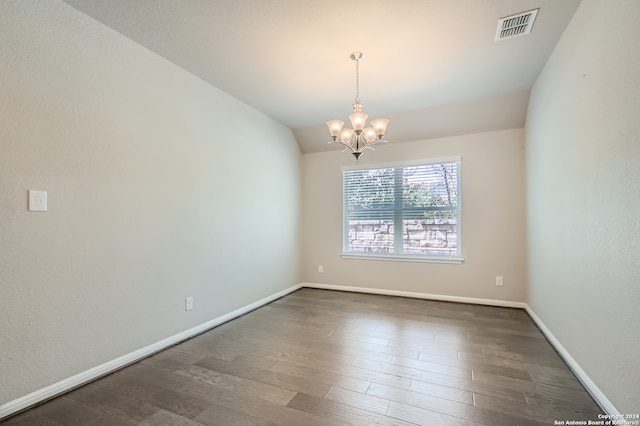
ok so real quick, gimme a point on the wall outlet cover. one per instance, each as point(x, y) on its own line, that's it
point(37, 201)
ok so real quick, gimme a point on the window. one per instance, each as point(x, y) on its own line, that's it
point(403, 211)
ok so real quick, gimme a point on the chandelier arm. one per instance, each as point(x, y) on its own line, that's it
point(343, 144)
point(348, 146)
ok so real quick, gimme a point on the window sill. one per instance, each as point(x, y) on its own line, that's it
point(392, 258)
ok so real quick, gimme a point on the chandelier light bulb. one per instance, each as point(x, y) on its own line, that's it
point(358, 120)
point(369, 134)
point(335, 127)
point(345, 135)
point(380, 126)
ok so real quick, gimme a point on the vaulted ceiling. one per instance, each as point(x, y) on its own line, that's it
point(432, 66)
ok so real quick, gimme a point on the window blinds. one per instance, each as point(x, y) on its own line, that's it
point(404, 210)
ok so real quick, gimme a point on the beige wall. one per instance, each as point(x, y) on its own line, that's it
point(160, 187)
point(493, 220)
point(583, 162)
point(155, 179)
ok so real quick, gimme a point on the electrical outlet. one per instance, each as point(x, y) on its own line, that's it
point(188, 303)
point(499, 281)
point(320, 268)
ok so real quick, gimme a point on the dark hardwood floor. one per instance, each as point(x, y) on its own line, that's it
point(318, 357)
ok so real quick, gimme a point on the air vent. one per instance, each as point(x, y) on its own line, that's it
point(516, 25)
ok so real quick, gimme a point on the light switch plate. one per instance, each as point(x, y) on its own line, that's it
point(37, 201)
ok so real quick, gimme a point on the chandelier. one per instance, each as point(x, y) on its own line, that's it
point(358, 138)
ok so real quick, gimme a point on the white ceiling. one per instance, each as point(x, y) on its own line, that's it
point(431, 66)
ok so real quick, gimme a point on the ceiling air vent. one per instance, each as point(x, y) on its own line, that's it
point(516, 25)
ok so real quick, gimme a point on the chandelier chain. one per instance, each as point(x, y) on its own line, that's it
point(357, 98)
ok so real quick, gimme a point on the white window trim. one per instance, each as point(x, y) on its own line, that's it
point(403, 258)
point(408, 258)
point(402, 163)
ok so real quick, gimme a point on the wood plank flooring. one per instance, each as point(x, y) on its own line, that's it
point(319, 357)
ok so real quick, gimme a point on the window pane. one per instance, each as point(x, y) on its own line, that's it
point(430, 185)
point(369, 189)
point(369, 201)
point(373, 234)
point(435, 234)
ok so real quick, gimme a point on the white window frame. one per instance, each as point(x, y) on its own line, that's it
point(400, 257)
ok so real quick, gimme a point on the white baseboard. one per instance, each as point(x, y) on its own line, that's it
point(113, 365)
point(442, 297)
point(582, 376)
